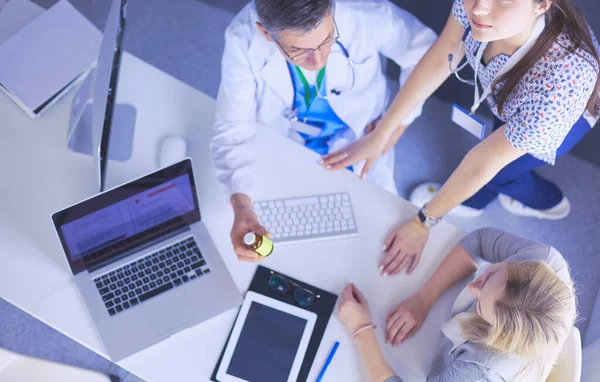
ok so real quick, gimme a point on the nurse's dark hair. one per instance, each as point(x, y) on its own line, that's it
point(561, 17)
point(293, 15)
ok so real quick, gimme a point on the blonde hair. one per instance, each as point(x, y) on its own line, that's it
point(532, 319)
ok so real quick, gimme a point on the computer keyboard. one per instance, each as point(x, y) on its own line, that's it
point(151, 275)
point(308, 218)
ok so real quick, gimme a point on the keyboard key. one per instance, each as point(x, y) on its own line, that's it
point(166, 279)
point(120, 283)
point(162, 265)
point(199, 272)
point(152, 276)
point(181, 249)
point(155, 268)
point(193, 277)
point(159, 282)
point(128, 273)
point(138, 291)
point(146, 279)
point(175, 259)
point(126, 305)
point(111, 311)
point(176, 252)
point(189, 253)
point(140, 275)
point(152, 284)
point(105, 276)
point(99, 285)
point(104, 290)
point(196, 251)
point(148, 271)
point(141, 266)
point(177, 282)
point(134, 269)
point(134, 301)
point(118, 292)
point(198, 264)
point(120, 275)
point(179, 272)
point(187, 269)
point(207, 270)
point(187, 261)
point(138, 283)
point(169, 262)
point(190, 239)
point(145, 288)
point(155, 260)
point(125, 289)
point(117, 300)
point(173, 276)
point(119, 308)
point(131, 294)
point(113, 286)
point(185, 278)
point(109, 304)
point(165, 287)
point(131, 286)
point(190, 245)
point(160, 273)
point(194, 258)
point(148, 263)
point(113, 279)
point(173, 267)
point(134, 277)
point(180, 264)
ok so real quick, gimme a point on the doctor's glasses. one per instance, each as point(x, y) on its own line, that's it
point(302, 296)
point(325, 45)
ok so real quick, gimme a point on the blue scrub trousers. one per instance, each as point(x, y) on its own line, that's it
point(518, 181)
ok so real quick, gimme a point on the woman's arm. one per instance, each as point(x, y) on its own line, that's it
point(477, 168)
point(378, 369)
point(431, 71)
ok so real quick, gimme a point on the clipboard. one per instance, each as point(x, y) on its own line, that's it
point(323, 309)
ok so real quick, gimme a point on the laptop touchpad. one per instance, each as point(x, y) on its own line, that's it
point(170, 315)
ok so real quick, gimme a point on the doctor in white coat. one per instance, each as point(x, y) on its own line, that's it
point(311, 70)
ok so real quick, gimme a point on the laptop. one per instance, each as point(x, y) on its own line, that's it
point(144, 261)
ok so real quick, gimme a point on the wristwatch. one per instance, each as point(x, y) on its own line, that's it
point(428, 221)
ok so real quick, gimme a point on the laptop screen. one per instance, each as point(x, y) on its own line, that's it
point(135, 214)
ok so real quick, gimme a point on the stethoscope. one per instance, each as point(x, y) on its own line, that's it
point(461, 67)
point(291, 114)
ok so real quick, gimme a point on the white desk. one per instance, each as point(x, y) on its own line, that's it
point(40, 176)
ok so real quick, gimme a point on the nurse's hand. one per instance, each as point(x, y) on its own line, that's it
point(406, 318)
point(404, 246)
point(369, 147)
point(244, 221)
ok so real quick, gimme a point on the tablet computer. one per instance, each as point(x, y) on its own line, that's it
point(268, 341)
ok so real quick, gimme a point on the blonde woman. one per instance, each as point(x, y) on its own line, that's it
point(521, 310)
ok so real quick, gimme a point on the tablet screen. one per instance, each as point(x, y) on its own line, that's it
point(267, 345)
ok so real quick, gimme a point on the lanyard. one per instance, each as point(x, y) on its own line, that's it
point(308, 94)
point(512, 61)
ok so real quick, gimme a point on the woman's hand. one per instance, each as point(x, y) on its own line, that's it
point(369, 147)
point(406, 318)
point(244, 221)
point(404, 247)
point(354, 309)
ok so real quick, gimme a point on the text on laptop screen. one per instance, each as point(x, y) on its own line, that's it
point(129, 216)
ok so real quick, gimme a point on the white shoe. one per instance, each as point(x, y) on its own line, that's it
point(560, 211)
point(426, 191)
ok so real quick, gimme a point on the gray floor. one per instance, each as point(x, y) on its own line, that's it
point(184, 38)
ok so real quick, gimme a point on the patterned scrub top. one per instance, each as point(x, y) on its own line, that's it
point(544, 105)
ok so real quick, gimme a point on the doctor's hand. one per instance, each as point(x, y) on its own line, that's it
point(244, 221)
point(406, 318)
point(404, 246)
point(354, 311)
point(369, 147)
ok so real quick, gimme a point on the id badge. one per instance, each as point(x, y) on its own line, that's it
point(468, 122)
point(304, 128)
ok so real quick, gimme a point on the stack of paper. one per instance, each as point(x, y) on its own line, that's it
point(47, 57)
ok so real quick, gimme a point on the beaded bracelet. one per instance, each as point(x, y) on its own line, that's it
point(368, 326)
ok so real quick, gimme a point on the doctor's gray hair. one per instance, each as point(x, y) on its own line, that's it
point(293, 15)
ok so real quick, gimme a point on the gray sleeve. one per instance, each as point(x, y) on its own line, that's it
point(461, 371)
point(395, 378)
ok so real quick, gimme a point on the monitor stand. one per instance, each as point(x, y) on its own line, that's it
point(80, 138)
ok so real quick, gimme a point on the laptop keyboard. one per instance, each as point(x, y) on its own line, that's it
point(151, 275)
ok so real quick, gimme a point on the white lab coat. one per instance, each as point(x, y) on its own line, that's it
point(256, 87)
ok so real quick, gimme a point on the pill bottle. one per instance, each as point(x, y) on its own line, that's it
point(258, 243)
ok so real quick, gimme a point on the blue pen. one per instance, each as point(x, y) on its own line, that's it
point(331, 354)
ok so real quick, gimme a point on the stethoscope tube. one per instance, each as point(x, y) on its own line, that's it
point(461, 67)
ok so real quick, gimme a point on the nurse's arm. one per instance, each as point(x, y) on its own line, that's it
point(477, 168)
